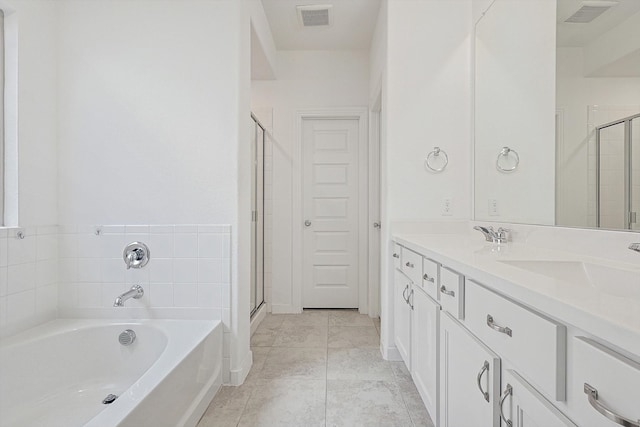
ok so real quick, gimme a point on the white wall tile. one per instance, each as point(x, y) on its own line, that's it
point(20, 278)
point(46, 272)
point(3, 281)
point(161, 245)
point(89, 270)
point(113, 270)
point(47, 300)
point(21, 251)
point(209, 270)
point(137, 275)
point(4, 256)
point(185, 295)
point(89, 295)
point(21, 306)
point(210, 245)
point(161, 294)
point(3, 312)
point(46, 247)
point(89, 246)
point(161, 270)
point(208, 296)
point(185, 245)
point(185, 270)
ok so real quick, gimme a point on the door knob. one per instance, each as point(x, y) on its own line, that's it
point(376, 225)
point(307, 223)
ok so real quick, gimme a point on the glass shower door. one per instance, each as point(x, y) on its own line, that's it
point(257, 217)
point(611, 177)
point(635, 173)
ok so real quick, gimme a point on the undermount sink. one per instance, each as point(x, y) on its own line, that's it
point(614, 281)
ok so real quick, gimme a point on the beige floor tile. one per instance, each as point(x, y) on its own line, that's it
point(401, 372)
point(349, 318)
point(302, 336)
point(307, 318)
point(259, 357)
point(286, 403)
point(226, 408)
point(271, 322)
point(295, 363)
point(357, 364)
point(365, 403)
point(353, 336)
point(264, 338)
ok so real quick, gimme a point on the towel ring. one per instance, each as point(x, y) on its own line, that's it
point(505, 153)
point(436, 153)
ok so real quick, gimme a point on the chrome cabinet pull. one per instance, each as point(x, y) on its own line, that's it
point(446, 292)
point(507, 391)
point(404, 296)
point(495, 327)
point(396, 256)
point(485, 368)
point(592, 394)
point(410, 299)
point(408, 264)
point(427, 278)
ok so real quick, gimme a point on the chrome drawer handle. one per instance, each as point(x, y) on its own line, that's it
point(406, 299)
point(410, 299)
point(427, 278)
point(446, 292)
point(592, 393)
point(396, 256)
point(485, 368)
point(507, 391)
point(408, 264)
point(495, 327)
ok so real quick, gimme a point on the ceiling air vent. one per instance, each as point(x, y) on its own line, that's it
point(314, 15)
point(590, 10)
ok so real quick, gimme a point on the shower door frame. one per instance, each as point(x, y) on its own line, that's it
point(257, 216)
point(630, 217)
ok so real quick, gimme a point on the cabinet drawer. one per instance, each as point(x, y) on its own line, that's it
point(430, 277)
point(451, 290)
point(412, 266)
point(396, 255)
point(615, 377)
point(534, 344)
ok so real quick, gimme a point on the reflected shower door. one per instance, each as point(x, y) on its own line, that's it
point(635, 173)
point(257, 217)
point(612, 187)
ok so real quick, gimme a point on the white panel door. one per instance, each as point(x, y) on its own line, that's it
point(330, 211)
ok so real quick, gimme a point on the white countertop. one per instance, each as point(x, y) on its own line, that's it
point(611, 314)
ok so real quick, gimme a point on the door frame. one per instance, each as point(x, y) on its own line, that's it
point(375, 207)
point(355, 113)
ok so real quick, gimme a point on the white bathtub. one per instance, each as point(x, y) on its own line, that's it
point(58, 374)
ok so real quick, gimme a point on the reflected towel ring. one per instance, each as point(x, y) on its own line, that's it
point(505, 153)
point(432, 155)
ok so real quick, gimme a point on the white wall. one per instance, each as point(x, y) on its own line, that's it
point(306, 79)
point(28, 267)
point(153, 99)
point(426, 103)
point(574, 93)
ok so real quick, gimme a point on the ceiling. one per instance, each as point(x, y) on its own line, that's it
point(579, 35)
point(353, 25)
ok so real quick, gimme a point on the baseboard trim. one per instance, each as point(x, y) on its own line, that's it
point(390, 353)
point(237, 376)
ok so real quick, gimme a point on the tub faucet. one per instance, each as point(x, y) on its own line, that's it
point(496, 236)
point(635, 247)
point(136, 292)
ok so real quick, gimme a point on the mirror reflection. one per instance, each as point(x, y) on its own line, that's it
point(559, 83)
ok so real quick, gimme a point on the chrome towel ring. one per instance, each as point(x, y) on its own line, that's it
point(504, 153)
point(433, 156)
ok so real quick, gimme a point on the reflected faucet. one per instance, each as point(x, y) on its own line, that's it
point(136, 292)
point(496, 236)
point(635, 247)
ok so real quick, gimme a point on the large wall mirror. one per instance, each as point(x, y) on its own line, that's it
point(557, 113)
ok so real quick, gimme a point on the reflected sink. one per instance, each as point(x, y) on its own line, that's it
point(614, 281)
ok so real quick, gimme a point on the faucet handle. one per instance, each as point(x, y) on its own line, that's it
point(502, 235)
point(635, 247)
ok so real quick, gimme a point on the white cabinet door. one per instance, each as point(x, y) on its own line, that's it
point(469, 378)
point(524, 406)
point(402, 316)
point(424, 349)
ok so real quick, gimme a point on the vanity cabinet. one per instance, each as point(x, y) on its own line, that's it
point(469, 378)
point(425, 322)
point(402, 315)
point(603, 381)
point(524, 406)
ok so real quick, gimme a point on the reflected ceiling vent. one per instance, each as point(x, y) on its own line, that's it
point(314, 15)
point(590, 10)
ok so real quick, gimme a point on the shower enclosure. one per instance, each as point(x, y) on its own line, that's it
point(257, 216)
point(618, 174)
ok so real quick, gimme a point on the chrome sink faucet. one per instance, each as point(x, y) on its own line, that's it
point(635, 247)
point(496, 236)
point(136, 292)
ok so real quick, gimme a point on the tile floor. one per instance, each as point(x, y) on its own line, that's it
point(319, 368)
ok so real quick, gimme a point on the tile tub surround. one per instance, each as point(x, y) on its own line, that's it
point(327, 379)
point(28, 277)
